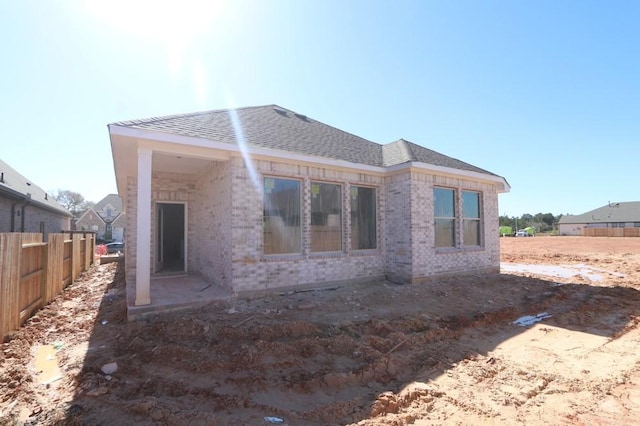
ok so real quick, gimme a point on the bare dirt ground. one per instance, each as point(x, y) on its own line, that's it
point(446, 352)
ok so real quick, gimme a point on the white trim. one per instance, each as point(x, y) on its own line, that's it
point(143, 228)
point(151, 136)
point(451, 171)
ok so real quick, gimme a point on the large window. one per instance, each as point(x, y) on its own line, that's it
point(282, 232)
point(326, 217)
point(363, 218)
point(471, 218)
point(445, 217)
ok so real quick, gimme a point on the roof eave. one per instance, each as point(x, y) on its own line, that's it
point(19, 196)
point(500, 182)
point(151, 136)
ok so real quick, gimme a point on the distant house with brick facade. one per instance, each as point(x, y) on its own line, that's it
point(260, 198)
point(106, 219)
point(25, 207)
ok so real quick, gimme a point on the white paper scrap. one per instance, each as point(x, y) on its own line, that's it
point(528, 319)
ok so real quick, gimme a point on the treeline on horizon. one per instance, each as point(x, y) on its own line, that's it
point(542, 222)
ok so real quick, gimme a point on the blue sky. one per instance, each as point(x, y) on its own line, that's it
point(544, 93)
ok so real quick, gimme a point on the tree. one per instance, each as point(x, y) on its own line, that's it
point(72, 201)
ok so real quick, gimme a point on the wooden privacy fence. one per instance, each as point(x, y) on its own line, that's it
point(33, 272)
point(611, 232)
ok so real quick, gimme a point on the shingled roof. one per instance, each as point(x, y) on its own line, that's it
point(274, 127)
point(113, 199)
point(16, 186)
point(402, 151)
point(628, 211)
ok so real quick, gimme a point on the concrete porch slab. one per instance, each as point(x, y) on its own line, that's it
point(173, 293)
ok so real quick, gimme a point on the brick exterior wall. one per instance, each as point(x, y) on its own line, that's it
point(211, 216)
point(174, 188)
point(91, 222)
point(225, 227)
point(5, 215)
point(165, 187)
point(33, 216)
point(254, 272)
point(429, 261)
point(399, 235)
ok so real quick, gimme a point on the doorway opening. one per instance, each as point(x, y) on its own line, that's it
point(170, 238)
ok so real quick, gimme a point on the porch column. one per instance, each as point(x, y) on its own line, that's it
point(143, 228)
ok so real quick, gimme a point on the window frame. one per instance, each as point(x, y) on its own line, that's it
point(300, 224)
point(312, 234)
point(478, 219)
point(458, 220)
point(450, 219)
point(375, 223)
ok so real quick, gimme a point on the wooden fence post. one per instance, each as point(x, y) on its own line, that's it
point(45, 297)
point(76, 265)
point(93, 248)
point(88, 253)
point(10, 255)
point(55, 263)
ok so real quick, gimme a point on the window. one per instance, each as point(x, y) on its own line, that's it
point(281, 220)
point(617, 224)
point(363, 218)
point(471, 218)
point(636, 224)
point(326, 217)
point(445, 217)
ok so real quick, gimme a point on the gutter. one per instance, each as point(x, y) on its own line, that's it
point(24, 206)
point(13, 216)
point(25, 202)
point(23, 198)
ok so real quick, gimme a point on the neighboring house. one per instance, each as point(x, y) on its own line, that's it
point(613, 215)
point(25, 207)
point(105, 218)
point(262, 197)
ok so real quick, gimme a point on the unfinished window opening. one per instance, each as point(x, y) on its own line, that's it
point(281, 216)
point(363, 218)
point(326, 217)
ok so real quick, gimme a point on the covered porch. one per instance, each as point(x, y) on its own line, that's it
point(175, 292)
point(177, 198)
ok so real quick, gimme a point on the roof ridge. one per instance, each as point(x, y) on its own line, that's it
point(406, 146)
point(189, 114)
point(413, 144)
